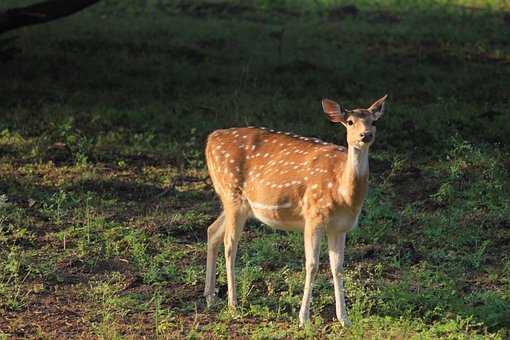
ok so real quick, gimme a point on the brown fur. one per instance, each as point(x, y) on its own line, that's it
point(272, 168)
point(292, 183)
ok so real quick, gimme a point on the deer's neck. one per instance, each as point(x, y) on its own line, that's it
point(353, 181)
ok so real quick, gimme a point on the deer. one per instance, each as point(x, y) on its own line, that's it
point(293, 183)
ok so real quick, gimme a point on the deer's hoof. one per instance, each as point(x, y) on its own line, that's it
point(209, 299)
point(345, 322)
point(304, 319)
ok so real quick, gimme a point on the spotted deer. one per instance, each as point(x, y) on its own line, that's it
point(291, 182)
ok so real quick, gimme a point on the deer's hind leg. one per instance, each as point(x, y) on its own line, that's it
point(215, 235)
point(235, 219)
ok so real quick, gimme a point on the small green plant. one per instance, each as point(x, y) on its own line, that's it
point(247, 278)
point(55, 207)
point(110, 305)
point(13, 274)
point(164, 320)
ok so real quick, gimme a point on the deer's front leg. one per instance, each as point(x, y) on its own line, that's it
point(336, 245)
point(234, 223)
point(312, 235)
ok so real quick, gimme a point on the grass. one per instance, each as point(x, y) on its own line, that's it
point(104, 205)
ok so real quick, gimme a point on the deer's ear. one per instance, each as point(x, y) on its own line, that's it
point(333, 111)
point(377, 108)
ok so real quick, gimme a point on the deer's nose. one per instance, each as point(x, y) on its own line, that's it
point(366, 137)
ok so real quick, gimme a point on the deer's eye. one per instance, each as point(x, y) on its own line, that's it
point(350, 122)
point(373, 123)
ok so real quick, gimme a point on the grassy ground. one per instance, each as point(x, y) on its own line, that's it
point(104, 205)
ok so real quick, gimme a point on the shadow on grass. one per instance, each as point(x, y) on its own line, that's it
point(121, 190)
point(123, 70)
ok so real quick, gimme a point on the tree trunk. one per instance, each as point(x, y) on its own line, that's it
point(40, 13)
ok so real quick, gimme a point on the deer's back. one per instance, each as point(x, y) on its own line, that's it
point(277, 173)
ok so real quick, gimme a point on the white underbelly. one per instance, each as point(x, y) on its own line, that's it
point(296, 225)
point(280, 216)
point(276, 215)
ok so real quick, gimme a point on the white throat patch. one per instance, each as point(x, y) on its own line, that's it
point(359, 161)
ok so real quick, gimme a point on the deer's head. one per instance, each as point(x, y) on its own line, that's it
point(360, 123)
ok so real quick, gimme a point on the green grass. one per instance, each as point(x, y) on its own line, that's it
point(103, 203)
